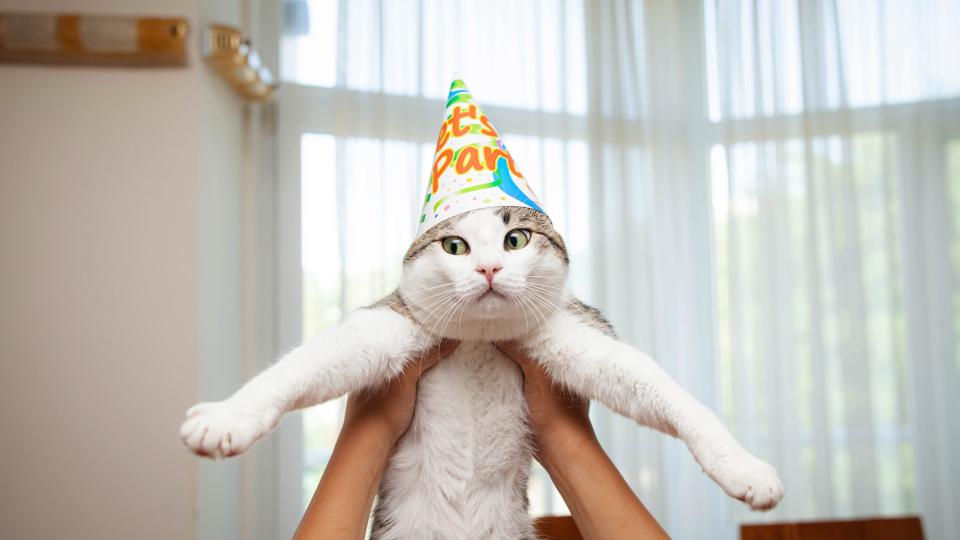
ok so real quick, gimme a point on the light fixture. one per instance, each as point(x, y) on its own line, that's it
point(95, 40)
point(230, 55)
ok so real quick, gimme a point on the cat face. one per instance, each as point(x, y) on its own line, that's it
point(494, 274)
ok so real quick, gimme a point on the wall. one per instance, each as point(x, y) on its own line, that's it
point(119, 285)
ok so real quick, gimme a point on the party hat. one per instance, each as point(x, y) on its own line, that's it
point(471, 168)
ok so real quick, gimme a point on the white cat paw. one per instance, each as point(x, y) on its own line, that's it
point(748, 479)
point(223, 429)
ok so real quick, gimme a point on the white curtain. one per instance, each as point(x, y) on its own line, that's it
point(765, 196)
point(837, 313)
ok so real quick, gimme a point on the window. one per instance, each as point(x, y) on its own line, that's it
point(359, 194)
point(354, 258)
point(953, 175)
point(774, 183)
point(813, 109)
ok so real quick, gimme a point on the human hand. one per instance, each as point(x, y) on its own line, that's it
point(375, 419)
point(600, 501)
point(390, 407)
point(556, 416)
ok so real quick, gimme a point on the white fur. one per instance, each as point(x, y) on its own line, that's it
point(461, 469)
point(599, 367)
point(443, 290)
point(367, 348)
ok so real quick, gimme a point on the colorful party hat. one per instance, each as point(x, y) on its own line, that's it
point(471, 168)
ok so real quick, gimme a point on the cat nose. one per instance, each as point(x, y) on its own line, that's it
point(488, 270)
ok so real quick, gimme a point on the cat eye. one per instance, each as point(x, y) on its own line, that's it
point(455, 245)
point(516, 239)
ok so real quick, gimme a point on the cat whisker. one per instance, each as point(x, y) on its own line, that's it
point(526, 323)
point(552, 293)
point(434, 294)
point(433, 287)
point(552, 298)
point(460, 319)
point(544, 282)
point(555, 293)
point(439, 304)
point(541, 284)
point(412, 309)
point(449, 318)
point(537, 315)
point(459, 312)
point(546, 303)
point(433, 326)
point(450, 306)
point(448, 315)
point(437, 300)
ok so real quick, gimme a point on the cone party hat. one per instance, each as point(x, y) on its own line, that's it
point(472, 168)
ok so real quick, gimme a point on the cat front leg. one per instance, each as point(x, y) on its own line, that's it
point(579, 354)
point(367, 348)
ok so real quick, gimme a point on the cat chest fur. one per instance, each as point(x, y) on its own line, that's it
point(461, 469)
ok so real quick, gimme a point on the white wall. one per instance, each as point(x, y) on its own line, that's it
point(119, 285)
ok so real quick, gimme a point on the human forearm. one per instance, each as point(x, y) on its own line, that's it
point(593, 365)
point(341, 505)
point(375, 420)
point(601, 502)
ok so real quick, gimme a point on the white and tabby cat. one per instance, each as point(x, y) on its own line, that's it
point(460, 471)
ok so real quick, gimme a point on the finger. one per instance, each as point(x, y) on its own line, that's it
point(446, 348)
point(533, 371)
point(429, 357)
point(513, 350)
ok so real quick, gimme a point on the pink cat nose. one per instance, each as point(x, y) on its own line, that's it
point(488, 270)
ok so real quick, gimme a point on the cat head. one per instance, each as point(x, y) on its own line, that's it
point(488, 274)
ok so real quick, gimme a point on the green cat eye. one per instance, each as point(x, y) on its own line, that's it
point(455, 245)
point(516, 239)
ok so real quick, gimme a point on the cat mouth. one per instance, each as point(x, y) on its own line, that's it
point(490, 293)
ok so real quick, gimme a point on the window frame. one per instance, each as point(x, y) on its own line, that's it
point(302, 109)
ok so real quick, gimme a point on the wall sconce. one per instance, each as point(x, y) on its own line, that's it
point(230, 55)
point(93, 40)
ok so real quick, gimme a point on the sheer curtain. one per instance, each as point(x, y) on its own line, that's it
point(762, 195)
point(837, 324)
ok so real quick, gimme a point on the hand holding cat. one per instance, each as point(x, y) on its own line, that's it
point(391, 406)
point(601, 502)
point(556, 416)
point(375, 419)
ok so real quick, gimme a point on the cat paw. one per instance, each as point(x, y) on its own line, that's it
point(748, 479)
point(223, 429)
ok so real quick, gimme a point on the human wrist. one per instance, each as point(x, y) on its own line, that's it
point(562, 442)
point(373, 429)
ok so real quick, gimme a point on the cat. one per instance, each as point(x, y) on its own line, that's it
point(461, 469)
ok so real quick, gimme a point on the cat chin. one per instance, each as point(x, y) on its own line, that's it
point(487, 319)
point(499, 329)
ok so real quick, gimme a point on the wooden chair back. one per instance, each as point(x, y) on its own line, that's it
point(556, 528)
point(900, 528)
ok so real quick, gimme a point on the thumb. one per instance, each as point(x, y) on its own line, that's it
point(515, 352)
point(428, 357)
